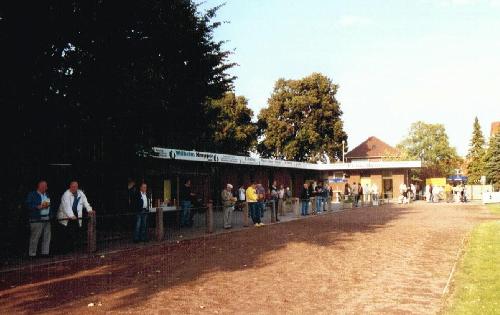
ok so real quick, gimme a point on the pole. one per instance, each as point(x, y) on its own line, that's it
point(245, 214)
point(343, 151)
point(159, 224)
point(210, 217)
point(91, 233)
point(273, 213)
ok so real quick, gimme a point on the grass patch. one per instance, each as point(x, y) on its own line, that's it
point(477, 280)
point(494, 208)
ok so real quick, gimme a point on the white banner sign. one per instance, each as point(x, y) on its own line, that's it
point(175, 154)
point(491, 197)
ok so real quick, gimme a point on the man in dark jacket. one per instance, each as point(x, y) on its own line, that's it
point(38, 204)
point(304, 199)
point(186, 197)
point(141, 206)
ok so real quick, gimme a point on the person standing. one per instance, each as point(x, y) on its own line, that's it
point(131, 191)
point(374, 191)
point(347, 191)
point(38, 205)
point(319, 198)
point(431, 193)
point(281, 200)
point(252, 199)
point(261, 193)
point(413, 189)
point(241, 198)
point(70, 214)
point(185, 196)
point(355, 193)
point(228, 201)
point(304, 199)
point(275, 198)
point(141, 206)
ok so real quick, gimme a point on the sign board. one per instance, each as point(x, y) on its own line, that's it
point(197, 156)
point(437, 181)
point(491, 197)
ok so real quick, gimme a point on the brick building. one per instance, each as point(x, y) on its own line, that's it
point(209, 172)
point(495, 128)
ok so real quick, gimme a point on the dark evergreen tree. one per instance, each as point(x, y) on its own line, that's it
point(475, 156)
point(492, 166)
point(85, 85)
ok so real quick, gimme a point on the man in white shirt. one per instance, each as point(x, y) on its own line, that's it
point(141, 205)
point(70, 214)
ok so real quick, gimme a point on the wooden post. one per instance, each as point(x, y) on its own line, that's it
point(159, 232)
point(296, 206)
point(245, 214)
point(91, 233)
point(210, 217)
point(273, 212)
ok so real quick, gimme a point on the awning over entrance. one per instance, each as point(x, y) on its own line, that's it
point(197, 156)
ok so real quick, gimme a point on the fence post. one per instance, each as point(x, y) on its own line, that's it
point(210, 217)
point(296, 206)
point(245, 214)
point(273, 212)
point(91, 233)
point(159, 224)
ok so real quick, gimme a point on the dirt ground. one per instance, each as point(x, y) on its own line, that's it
point(386, 260)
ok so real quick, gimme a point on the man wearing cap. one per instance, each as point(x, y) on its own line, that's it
point(228, 201)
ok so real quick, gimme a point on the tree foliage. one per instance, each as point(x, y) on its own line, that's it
point(117, 74)
point(302, 121)
point(235, 132)
point(492, 165)
point(430, 143)
point(475, 156)
point(88, 83)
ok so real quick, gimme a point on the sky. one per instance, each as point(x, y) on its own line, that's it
point(395, 61)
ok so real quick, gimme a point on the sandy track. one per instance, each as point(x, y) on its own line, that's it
point(386, 260)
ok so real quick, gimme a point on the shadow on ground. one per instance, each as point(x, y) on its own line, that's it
point(134, 275)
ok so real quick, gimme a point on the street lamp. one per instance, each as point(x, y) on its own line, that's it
point(343, 151)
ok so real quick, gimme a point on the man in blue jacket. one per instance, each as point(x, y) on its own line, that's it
point(38, 204)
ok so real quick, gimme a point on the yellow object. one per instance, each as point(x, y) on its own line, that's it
point(447, 188)
point(251, 194)
point(366, 181)
point(437, 181)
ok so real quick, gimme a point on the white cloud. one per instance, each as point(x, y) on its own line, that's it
point(354, 21)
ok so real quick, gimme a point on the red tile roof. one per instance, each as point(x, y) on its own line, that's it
point(370, 148)
point(495, 128)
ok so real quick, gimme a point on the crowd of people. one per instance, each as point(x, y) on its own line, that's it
point(448, 193)
point(361, 193)
point(73, 202)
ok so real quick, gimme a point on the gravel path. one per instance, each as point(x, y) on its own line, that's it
point(386, 260)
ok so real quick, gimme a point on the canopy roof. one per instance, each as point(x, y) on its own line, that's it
point(197, 156)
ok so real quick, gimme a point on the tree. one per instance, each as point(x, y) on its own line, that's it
point(492, 165)
point(235, 133)
point(119, 75)
point(475, 156)
point(430, 143)
point(302, 121)
point(88, 83)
